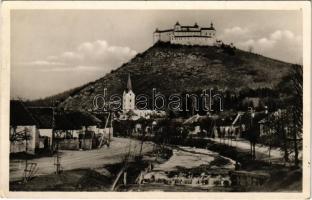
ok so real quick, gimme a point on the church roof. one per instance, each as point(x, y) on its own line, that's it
point(129, 84)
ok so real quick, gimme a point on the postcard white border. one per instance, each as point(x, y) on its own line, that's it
point(153, 5)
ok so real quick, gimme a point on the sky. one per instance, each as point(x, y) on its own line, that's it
point(56, 50)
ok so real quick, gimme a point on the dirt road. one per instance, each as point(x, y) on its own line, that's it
point(93, 159)
point(262, 152)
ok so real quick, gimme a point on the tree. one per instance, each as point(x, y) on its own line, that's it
point(144, 123)
point(250, 48)
point(296, 107)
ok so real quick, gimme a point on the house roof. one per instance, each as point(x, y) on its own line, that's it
point(20, 115)
point(198, 31)
point(162, 31)
point(43, 116)
point(103, 117)
point(195, 36)
point(63, 123)
point(208, 28)
point(195, 119)
point(74, 120)
point(81, 118)
point(195, 26)
point(191, 26)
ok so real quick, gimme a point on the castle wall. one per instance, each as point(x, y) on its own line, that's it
point(202, 41)
point(190, 33)
point(162, 36)
point(211, 33)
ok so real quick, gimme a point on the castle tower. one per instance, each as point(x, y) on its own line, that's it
point(177, 27)
point(128, 97)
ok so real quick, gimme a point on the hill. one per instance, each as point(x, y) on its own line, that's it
point(177, 69)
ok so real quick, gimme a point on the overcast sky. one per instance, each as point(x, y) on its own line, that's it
point(52, 51)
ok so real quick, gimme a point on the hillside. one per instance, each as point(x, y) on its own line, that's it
point(176, 69)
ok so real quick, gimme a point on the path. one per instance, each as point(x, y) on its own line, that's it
point(262, 152)
point(95, 158)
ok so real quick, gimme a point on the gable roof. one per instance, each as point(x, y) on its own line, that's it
point(20, 115)
point(63, 123)
point(74, 120)
point(162, 31)
point(103, 117)
point(43, 116)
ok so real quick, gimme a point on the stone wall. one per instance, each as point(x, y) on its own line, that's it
point(76, 144)
point(69, 144)
point(202, 41)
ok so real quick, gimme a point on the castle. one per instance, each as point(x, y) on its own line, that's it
point(187, 35)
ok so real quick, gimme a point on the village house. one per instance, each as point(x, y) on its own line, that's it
point(76, 130)
point(105, 128)
point(44, 119)
point(194, 122)
point(230, 126)
point(24, 135)
point(265, 124)
point(44, 128)
point(226, 125)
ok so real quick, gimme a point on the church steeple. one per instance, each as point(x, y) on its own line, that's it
point(129, 84)
point(128, 97)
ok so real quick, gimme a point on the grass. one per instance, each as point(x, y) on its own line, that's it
point(72, 180)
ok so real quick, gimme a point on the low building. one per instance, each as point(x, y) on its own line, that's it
point(105, 128)
point(44, 119)
point(24, 135)
point(76, 130)
point(34, 128)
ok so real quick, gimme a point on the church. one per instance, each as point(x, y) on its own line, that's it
point(187, 35)
point(128, 98)
point(128, 105)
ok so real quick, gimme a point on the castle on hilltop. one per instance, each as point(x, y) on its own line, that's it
point(187, 35)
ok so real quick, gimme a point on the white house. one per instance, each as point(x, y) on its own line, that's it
point(24, 135)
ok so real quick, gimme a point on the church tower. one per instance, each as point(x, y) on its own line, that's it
point(128, 97)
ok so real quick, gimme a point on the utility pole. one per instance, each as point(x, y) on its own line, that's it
point(58, 158)
point(26, 161)
point(110, 128)
point(268, 131)
point(251, 136)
